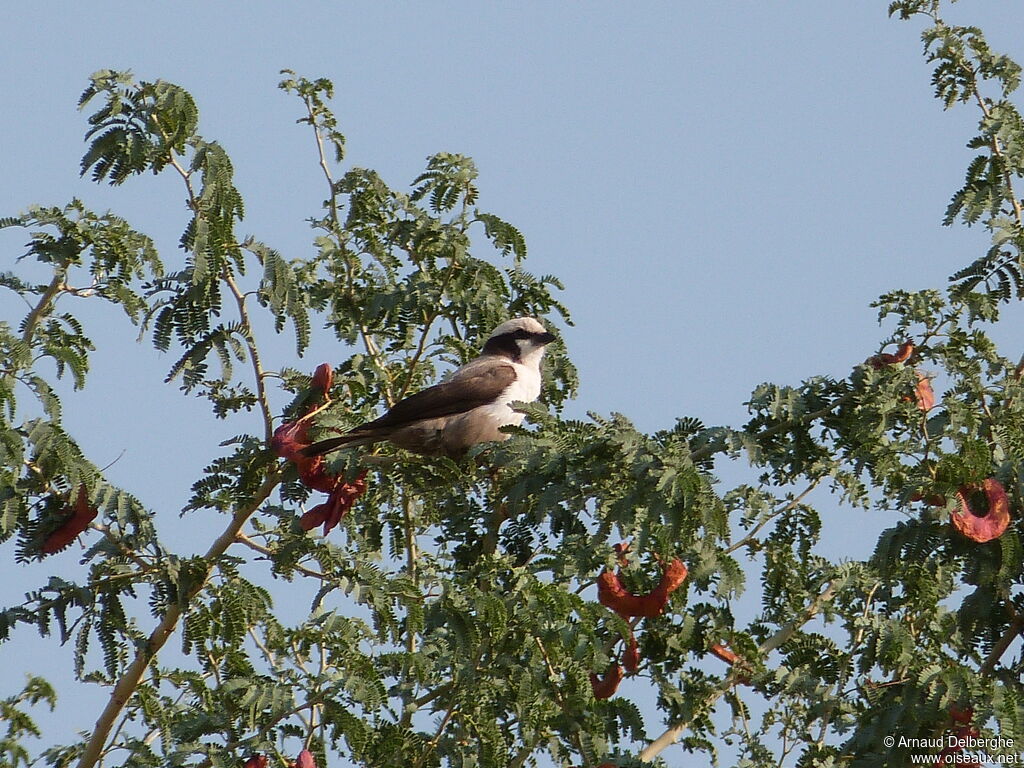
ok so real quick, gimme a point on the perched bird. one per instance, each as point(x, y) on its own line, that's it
point(466, 409)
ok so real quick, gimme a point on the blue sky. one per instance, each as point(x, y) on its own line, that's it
point(723, 187)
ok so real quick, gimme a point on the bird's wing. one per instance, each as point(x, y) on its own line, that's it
point(462, 393)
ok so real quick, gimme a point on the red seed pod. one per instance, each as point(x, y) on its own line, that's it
point(612, 593)
point(961, 716)
point(323, 377)
point(951, 753)
point(256, 761)
point(924, 395)
point(631, 656)
point(341, 499)
point(305, 760)
point(982, 521)
point(74, 524)
point(290, 438)
point(604, 688)
point(906, 349)
point(723, 653)
point(288, 441)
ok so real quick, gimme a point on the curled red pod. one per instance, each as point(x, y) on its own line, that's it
point(605, 687)
point(673, 578)
point(732, 659)
point(903, 353)
point(76, 521)
point(906, 349)
point(256, 761)
point(631, 656)
point(305, 760)
point(613, 594)
point(984, 511)
point(323, 377)
point(288, 441)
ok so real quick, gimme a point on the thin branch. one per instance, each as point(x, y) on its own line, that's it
point(426, 698)
point(324, 165)
point(784, 635)
point(132, 677)
point(254, 356)
point(428, 324)
point(268, 654)
point(781, 510)
point(553, 677)
point(997, 150)
point(432, 744)
point(123, 548)
point(241, 538)
point(374, 352)
point(411, 556)
point(1012, 633)
point(186, 176)
point(42, 306)
point(671, 736)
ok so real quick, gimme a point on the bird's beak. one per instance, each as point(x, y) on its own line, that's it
point(545, 338)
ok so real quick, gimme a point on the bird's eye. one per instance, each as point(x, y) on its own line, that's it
point(522, 333)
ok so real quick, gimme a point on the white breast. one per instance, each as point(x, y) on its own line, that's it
point(526, 388)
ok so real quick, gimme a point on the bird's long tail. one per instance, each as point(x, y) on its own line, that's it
point(334, 443)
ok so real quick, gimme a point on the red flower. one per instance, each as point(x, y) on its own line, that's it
point(76, 521)
point(305, 760)
point(984, 512)
point(904, 352)
point(612, 593)
point(323, 377)
point(340, 501)
point(604, 688)
point(256, 761)
point(631, 656)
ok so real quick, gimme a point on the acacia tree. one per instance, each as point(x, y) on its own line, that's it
point(485, 611)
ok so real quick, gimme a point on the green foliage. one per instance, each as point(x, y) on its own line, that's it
point(19, 723)
point(452, 616)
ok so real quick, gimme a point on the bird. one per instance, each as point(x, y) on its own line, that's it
point(467, 409)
